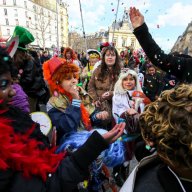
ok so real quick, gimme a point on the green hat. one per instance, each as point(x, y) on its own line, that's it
point(25, 37)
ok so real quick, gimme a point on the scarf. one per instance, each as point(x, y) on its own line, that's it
point(62, 101)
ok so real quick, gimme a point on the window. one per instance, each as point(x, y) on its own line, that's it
point(15, 13)
point(35, 17)
point(8, 31)
point(34, 8)
point(26, 15)
point(14, 2)
point(4, 2)
point(5, 11)
point(27, 23)
point(17, 21)
point(115, 42)
point(37, 35)
point(133, 43)
point(41, 11)
point(25, 4)
point(124, 42)
point(50, 37)
point(7, 21)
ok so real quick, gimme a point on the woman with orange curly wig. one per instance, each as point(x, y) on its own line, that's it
point(70, 107)
point(166, 125)
point(70, 56)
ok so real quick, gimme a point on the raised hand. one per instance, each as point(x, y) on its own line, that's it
point(115, 133)
point(137, 19)
point(102, 115)
point(105, 95)
point(74, 91)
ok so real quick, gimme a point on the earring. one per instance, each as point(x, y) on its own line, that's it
point(148, 147)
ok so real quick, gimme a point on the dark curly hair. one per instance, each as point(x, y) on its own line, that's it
point(168, 123)
point(5, 62)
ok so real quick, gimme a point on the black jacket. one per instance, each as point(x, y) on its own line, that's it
point(71, 170)
point(155, 176)
point(180, 67)
point(31, 80)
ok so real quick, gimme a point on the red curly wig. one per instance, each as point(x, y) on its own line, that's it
point(73, 55)
point(54, 79)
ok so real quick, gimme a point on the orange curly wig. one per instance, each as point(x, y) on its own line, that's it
point(54, 78)
point(73, 55)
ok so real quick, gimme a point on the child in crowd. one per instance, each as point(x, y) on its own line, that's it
point(70, 107)
point(27, 162)
point(153, 83)
point(93, 57)
point(128, 95)
point(128, 101)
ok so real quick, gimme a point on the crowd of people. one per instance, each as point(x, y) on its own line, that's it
point(104, 108)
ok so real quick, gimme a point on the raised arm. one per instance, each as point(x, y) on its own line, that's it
point(177, 66)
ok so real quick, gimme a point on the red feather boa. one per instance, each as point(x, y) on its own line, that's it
point(21, 153)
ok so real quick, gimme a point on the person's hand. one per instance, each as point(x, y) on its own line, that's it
point(137, 19)
point(103, 115)
point(131, 111)
point(74, 91)
point(97, 103)
point(172, 82)
point(115, 133)
point(105, 95)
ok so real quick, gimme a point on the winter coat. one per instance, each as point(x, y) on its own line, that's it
point(97, 87)
point(178, 66)
point(153, 85)
point(20, 99)
point(151, 174)
point(68, 118)
point(121, 103)
point(30, 79)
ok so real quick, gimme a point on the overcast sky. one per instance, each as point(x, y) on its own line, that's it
point(166, 19)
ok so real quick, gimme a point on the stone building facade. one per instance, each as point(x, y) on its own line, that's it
point(47, 20)
point(120, 33)
point(184, 42)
